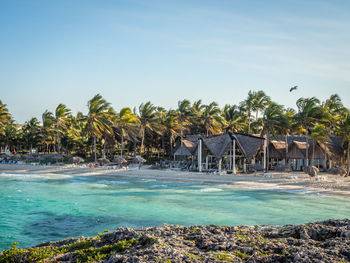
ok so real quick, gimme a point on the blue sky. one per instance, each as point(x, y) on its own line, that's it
point(66, 51)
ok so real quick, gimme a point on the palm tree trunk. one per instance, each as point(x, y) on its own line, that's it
point(58, 140)
point(348, 159)
point(249, 116)
point(257, 124)
point(267, 152)
point(171, 146)
point(95, 149)
point(307, 153)
point(181, 132)
point(325, 158)
point(142, 140)
point(286, 141)
point(313, 153)
point(122, 146)
point(104, 150)
point(134, 148)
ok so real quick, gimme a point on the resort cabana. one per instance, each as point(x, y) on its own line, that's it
point(277, 150)
point(188, 146)
point(222, 152)
point(300, 152)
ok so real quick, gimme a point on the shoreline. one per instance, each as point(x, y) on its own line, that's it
point(325, 241)
point(325, 184)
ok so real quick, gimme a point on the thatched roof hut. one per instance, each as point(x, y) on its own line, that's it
point(250, 145)
point(182, 151)
point(218, 144)
point(277, 149)
point(188, 147)
point(297, 150)
point(333, 147)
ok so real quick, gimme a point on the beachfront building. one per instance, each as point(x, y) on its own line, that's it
point(229, 152)
point(297, 151)
point(246, 153)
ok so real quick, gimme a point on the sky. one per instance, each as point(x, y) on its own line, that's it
point(135, 51)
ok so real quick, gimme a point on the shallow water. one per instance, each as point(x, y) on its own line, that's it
point(36, 208)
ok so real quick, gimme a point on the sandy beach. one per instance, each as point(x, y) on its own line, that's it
point(324, 183)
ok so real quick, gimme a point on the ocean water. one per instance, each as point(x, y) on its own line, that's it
point(36, 208)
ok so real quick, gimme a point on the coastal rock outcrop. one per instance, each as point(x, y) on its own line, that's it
point(327, 241)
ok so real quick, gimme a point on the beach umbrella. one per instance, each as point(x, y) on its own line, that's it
point(139, 159)
point(103, 161)
point(119, 160)
point(77, 159)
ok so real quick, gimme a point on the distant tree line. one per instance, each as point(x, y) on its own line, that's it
point(151, 130)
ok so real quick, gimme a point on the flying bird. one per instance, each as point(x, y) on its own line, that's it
point(293, 88)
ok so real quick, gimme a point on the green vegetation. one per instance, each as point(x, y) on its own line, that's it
point(154, 131)
point(147, 240)
point(30, 255)
point(164, 260)
point(195, 230)
point(83, 251)
point(92, 254)
point(194, 257)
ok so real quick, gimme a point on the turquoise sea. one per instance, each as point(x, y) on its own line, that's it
point(36, 208)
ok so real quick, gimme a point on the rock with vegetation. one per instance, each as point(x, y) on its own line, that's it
point(327, 241)
point(337, 171)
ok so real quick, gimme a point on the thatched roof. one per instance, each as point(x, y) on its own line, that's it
point(297, 145)
point(250, 145)
point(277, 149)
point(301, 145)
point(182, 151)
point(190, 145)
point(217, 144)
point(279, 145)
point(192, 138)
point(333, 147)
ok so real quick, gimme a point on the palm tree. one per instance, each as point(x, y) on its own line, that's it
point(318, 135)
point(248, 104)
point(335, 111)
point(127, 124)
point(5, 116)
point(48, 128)
point(309, 113)
point(183, 114)
point(147, 119)
point(273, 120)
point(234, 119)
point(345, 135)
point(98, 119)
point(260, 102)
point(287, 127)
point(62, 114)
point(212, 119)
point(31, 133)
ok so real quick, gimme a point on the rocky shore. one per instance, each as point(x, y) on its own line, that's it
point(327, 241)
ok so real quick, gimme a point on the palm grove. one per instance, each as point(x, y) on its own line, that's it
point(150, 130)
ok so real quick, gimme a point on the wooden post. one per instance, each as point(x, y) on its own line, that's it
point(200, 155)
point(234, 156)
point(265, 155)
point(220, 165)
point(230, 158)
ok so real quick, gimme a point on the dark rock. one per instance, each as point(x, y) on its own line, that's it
point(327, 241)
